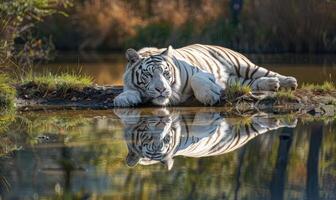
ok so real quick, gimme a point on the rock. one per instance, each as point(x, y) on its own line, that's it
point(304, 99)
point(329, 110)
point(109, 91)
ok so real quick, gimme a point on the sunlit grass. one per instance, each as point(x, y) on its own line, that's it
point(7, 93)
point(6, 118)
point(237, 90)
point(285, 95)
point(327, 86)
point(62, 82)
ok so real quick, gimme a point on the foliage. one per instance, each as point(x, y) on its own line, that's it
point(236, 90)
point(17, 18)
point(286, 95)
point(7, 94)
point(118, 24)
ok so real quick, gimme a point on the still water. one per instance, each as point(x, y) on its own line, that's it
point(174, 153)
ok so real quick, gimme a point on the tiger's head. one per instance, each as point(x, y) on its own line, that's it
point(152, 74)
point(150, 138)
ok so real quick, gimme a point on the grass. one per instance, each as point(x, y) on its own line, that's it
point(287, 95)
point(6, 118)
point(236, 90)
point(7, 94)
point(327, 86)
point(63, 82)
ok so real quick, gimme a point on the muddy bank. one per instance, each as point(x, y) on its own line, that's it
point(30, 97)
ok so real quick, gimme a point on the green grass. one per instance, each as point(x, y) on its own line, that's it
point(285, 95)
point(236, 90)
point(327, 86)
point(7, 93)
point(62, 82)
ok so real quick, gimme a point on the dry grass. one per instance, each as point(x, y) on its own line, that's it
point(327, 86)
point(114, 23)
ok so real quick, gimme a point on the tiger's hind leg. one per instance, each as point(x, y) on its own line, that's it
point(265, 78)
point(262, 83)
point(244, 68)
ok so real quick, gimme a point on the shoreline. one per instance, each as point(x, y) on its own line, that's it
point(101, 97)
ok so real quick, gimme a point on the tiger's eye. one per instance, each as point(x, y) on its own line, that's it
point(166, 74)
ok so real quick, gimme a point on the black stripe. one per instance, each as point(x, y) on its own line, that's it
point(187, 75)
point(134, 77)
point(238, 68)
point(187, 129)
point(254, 71)
point(226, 53)
point(192, 57)
point(254, 129)
point(207, 50)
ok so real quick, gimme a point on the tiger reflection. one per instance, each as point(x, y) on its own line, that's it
point(160, 135)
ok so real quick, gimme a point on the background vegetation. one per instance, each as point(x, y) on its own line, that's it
point(18, 43)
point(248, 26)
point(30, 30)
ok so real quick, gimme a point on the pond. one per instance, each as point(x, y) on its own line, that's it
point(175, 153)
point(168, 153)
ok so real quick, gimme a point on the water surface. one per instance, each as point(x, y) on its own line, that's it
point(176, 153)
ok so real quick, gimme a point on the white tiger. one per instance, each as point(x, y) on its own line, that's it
point(159, 136)
point(171, 76)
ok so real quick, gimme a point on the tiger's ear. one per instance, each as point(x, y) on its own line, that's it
point(169, 51)
point(169, 162)
point(132, 55)
point(132, 159)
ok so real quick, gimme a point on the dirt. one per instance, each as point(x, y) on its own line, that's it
point(101, 97)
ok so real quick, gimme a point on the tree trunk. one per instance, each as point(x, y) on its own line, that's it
point(279, 174)
point(312, 190)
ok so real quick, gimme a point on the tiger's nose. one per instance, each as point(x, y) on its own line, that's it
point(160, 89)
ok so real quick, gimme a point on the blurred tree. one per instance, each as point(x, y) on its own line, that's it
point(17, 19)
point(236, 6)
point(312, 190)
point(279, 173)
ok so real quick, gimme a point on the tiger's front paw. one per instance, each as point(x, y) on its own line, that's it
point(127, 99)
point(267, 84)
point(205, 90)
point(288, 82)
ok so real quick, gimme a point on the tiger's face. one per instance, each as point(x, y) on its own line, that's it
point(152, 76)
point(150, 138)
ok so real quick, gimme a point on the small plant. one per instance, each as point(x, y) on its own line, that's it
point(327, 86)
point(59, 83)
point(7, 94)
point(236, 90)
point(287, 95)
